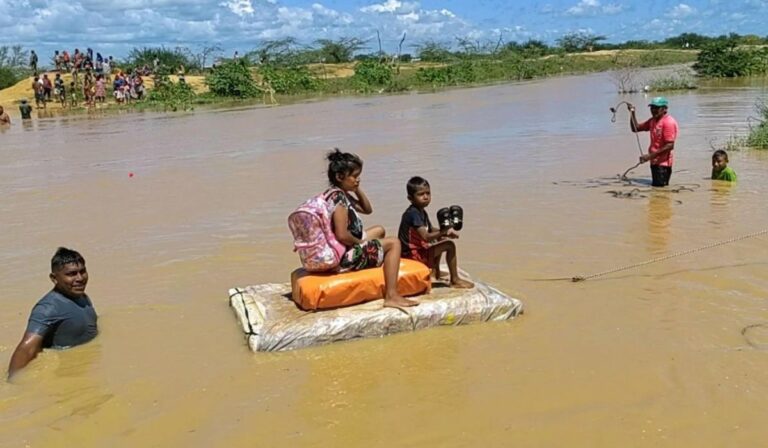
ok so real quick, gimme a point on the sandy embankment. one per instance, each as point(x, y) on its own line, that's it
point(11, 97)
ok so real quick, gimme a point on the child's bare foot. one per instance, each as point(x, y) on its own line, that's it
point(462, 284)
point(438, 275)
point(399, 301)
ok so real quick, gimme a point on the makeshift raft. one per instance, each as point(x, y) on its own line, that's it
point(271, 321)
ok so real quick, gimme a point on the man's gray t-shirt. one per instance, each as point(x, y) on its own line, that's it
point(63, 322)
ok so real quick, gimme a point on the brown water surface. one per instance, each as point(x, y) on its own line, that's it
point(648, 357)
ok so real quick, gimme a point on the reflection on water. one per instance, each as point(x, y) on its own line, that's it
point(659, 221)
point(719, 203)
point(651, 356)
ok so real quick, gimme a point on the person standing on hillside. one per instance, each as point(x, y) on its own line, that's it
point(57, 61)
point(47, 88)
point(663, 129)
point(33, 62)
point(37, 88)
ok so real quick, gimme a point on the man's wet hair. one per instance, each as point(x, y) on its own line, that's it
point(720, 153)
point(414, 184)
point(63, 257)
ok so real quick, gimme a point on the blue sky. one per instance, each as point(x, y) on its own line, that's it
point(117, 26)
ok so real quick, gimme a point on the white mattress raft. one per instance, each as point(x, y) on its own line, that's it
point(272, 322)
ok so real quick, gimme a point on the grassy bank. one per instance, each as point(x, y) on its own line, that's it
point(479, 70)
point(273, 84)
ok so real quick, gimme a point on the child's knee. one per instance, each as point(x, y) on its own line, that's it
point(376, 232)
point(390, 244)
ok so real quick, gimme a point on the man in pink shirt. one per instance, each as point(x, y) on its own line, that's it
point(663, 129)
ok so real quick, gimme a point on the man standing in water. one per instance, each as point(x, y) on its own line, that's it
point(663, 129)
point(62, 318)
point(25, 109)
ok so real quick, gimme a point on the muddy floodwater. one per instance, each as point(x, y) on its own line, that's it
point(653, 356)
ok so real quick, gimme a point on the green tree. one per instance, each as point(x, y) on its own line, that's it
point(724, 58)
point(13, 56)
point(289, 80)
point(340, 50)
point(8, 77)
point(172, 96)
point(13, 65)
point(282, 52)
point(579, 41)
point(687, 40)
point(169, 59)
point(233, 79)
point(374, 73)
point(433, 51)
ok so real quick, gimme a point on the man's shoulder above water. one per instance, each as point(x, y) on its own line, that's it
point(63, 321)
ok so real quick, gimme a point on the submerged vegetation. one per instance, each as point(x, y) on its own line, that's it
point(758, 134)
point(679, 80)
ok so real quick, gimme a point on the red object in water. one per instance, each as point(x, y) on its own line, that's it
point(130, 174)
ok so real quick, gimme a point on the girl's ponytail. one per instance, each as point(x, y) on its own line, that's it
point(341, 164)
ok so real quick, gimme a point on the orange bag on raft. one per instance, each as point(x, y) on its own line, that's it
point(317, 291)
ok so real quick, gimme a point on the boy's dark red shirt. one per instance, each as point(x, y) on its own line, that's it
point(413, 245)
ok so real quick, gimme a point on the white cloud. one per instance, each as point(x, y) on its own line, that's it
point(239, 7)
point(115, 27)
point(682, 10)
point(593, 8)
point(391, 6)
point(613, 8)
point(410, 17)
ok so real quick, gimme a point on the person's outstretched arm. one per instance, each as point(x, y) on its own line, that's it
point(31, 344)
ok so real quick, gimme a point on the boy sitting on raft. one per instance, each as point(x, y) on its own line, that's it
point(720, 168)
point(423, 243)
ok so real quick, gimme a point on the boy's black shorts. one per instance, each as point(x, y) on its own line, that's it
point(660, 175)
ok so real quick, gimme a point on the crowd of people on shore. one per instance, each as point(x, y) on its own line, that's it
point(91, 76)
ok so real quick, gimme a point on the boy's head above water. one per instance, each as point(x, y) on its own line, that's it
point(719, 160)
point(419, 192)
point(344, 169)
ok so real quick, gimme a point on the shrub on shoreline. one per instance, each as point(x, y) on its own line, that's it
point(373, 73)
point(287, 80)
point(232, 79)
point(172, 95)
point(726, 59)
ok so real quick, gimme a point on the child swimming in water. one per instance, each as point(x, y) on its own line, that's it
point(365, 248)
point(423, 243)
point(720, 168)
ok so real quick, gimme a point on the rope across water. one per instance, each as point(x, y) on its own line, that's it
point(581, 278)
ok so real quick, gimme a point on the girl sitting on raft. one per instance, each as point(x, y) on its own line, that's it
point(364, 248)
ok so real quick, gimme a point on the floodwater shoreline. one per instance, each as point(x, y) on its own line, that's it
point(648, 357)
point(574, 65)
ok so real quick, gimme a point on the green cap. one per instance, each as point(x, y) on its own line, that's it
point(659, 101)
